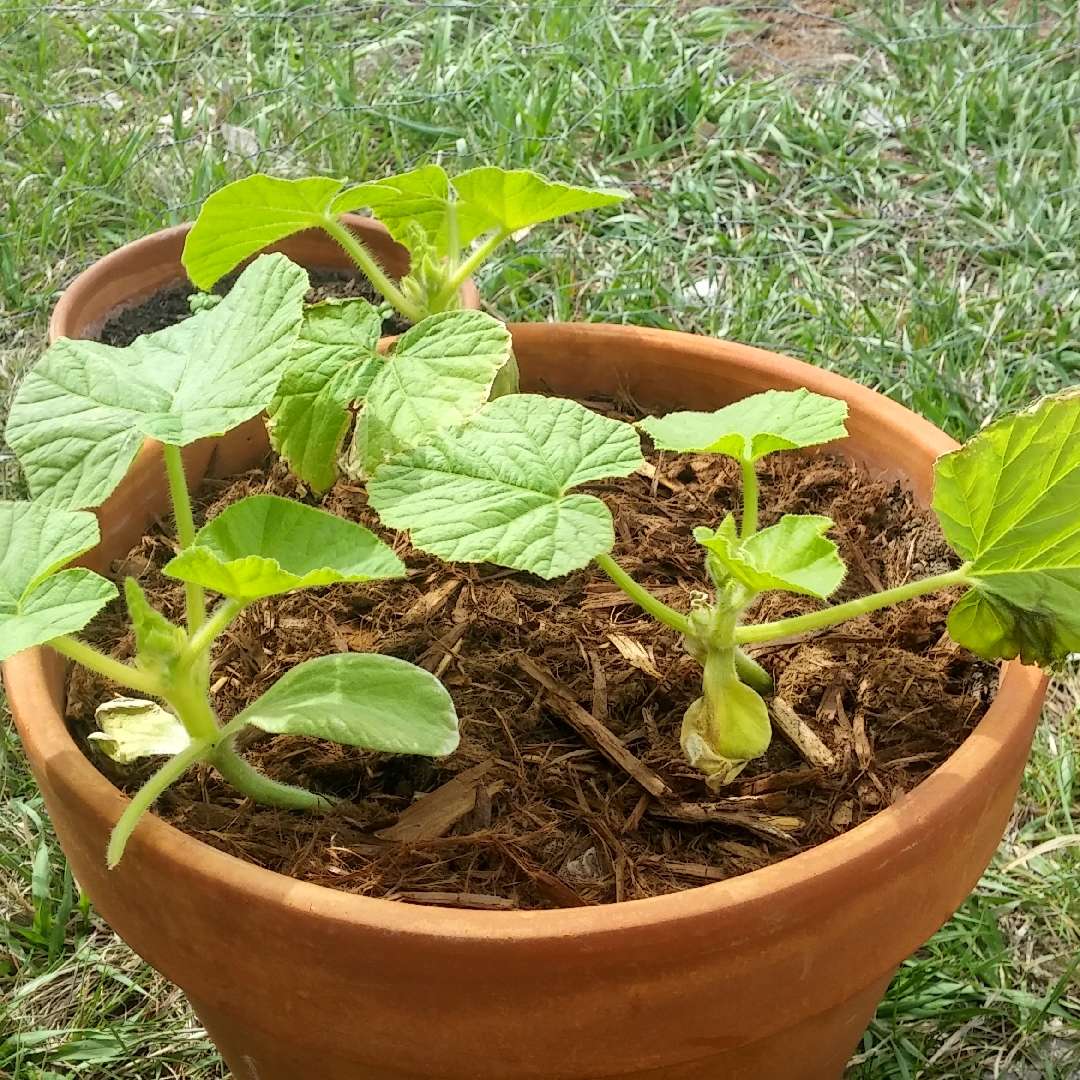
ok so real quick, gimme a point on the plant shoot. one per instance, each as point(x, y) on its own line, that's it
point(435, 219)
point(497, 490)
point(76, 424)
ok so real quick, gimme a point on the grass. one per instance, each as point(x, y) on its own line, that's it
point(905, 213)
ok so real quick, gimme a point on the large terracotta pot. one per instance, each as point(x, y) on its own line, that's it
point(769, 976)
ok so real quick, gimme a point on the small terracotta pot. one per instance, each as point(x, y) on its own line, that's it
point(769, 976)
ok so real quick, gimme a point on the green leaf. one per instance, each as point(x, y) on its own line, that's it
point(158, 642)
point(1009, 502)
point(496, 490)
point(81, 415)
point(250, 214)
point(793, 555)
point(264, 545)
point(515, 199)
point(753, 427)
point(332, 366)
point(133, 728)
point(362, 699)
point(38, 603)
point(439, 375)
point(421, 196)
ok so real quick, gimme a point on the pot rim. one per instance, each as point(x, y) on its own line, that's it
point(26, 677)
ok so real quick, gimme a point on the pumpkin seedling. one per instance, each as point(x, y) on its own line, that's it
point(76, 425)
point(1008, 502)
point(436, 220)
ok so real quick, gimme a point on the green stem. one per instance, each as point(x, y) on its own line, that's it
point(752, 673)
point(453, 245)
point(185, 531)
point(465, 270)
point(190, 702)
point(261, 788)
point(750, 500)
point(366, 261)
point(208, 633)
point(830, 616)
point(641, 596)
point(97, 661)
point(145, 797)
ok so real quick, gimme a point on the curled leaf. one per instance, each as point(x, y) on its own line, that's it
point(793, 555)
point(133, 728)
point(727, 726)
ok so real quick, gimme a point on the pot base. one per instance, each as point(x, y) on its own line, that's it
point(817, 1049)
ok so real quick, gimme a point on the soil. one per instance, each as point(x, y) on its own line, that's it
point(528, 813)
point(169, 306)
point(809, 39)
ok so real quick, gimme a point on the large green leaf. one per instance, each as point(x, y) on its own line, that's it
point(1009, 502)
point(332, 366)
point(38, 601)
point(793, 555)
point(363, 699)
point(439, 375)
point(753, 427)
point(417, 198)
point(81, 415)
point(264, 545)
point(496, 490)
point(517, 198)
point(248, 215)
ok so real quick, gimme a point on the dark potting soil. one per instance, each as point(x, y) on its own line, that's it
point(170, 305)
point(527, 813)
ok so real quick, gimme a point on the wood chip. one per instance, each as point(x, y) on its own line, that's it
point(770, 826)
point(782, 781)
point(599, 689)
point(651, 472)
point(437, 813)
point(430, 602)
point(634, 653)
point(477, 901)
point(554, 888)
point(601, 596)
point(561, 698)
point(633, 819)
point(800, 734)
point(700, 871)
point(442, 647)
point(863, 750)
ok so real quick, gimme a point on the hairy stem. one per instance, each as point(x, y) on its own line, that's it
point(208, 633)
point(144, 798)
point(830, 616)
point(750, 500)
point(461, 275)
point(191, 703)
point(97, 661)
point(261, 788)
point(641, 596)
point(453, 244)
point(366, 261)
point(185, 531)
point(752, 673)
